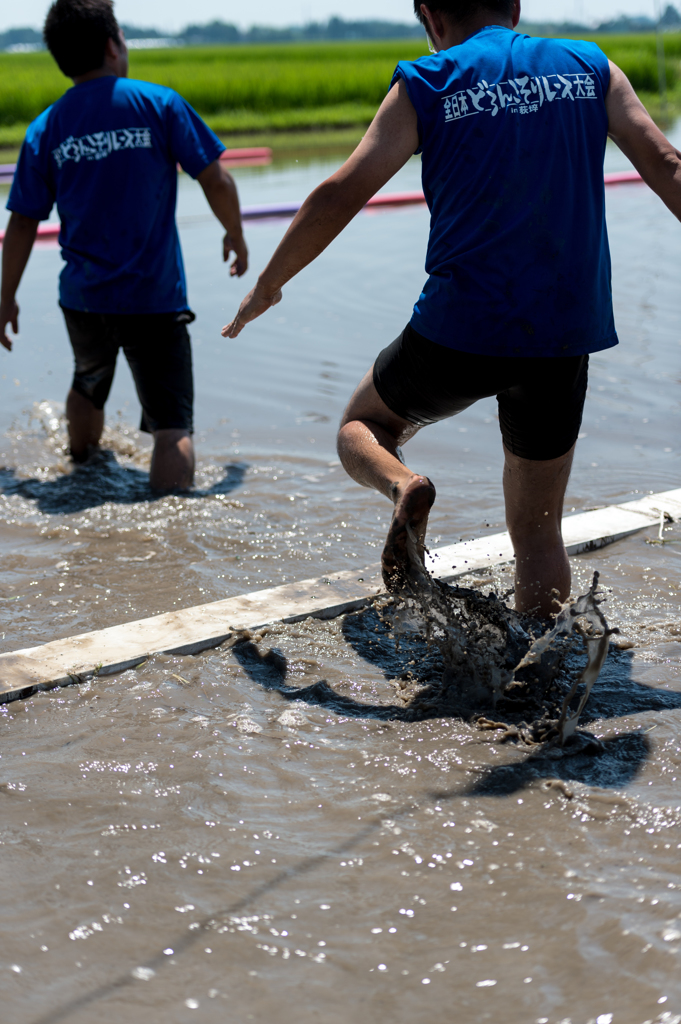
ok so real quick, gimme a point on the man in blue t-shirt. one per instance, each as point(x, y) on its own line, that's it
point(512, 132)
point(106, 153)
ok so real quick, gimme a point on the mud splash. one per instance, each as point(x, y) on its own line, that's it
point(492, 655)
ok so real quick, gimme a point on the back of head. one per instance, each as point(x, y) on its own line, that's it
point(462, 11)
point(76, 33)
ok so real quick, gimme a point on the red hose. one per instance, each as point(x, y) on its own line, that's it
point(51, 230)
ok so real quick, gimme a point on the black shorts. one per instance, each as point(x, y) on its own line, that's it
point(541, 400)
point(158, 351)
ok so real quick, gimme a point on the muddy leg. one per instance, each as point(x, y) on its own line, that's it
point(534, 493)
point(85, 425)
point(172, 461)
point(369, 440)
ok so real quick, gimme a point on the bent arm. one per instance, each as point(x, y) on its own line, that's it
point(389, 142)
point(16, 249)
point(639, 138)
point(221, 192)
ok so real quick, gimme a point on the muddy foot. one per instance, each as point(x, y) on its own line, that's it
point(90, 457)
point(410, 515)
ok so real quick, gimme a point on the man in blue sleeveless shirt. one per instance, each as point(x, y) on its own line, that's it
point(107, 154)
point(512, 132)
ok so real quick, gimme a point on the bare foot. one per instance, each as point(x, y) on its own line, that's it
point(84, 457)
point(413, 503)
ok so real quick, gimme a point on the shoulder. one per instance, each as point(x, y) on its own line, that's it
point(428, 73)
point(582, 49)
point(566, 56)
point(427, 66)
point(589, 57)
point(38, 128)
point(158, 95)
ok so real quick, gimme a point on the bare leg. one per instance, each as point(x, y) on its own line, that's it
point(172, 461)
point(368, 446)
point(534, 493)
point(85, 425)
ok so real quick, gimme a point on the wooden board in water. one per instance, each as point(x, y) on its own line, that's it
point(192, 630)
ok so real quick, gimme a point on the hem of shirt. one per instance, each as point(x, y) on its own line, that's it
point(100, 311)
point(31, 214)
point(195, 176)
point(481, 348)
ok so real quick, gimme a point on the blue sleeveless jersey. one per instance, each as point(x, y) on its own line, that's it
point(512, 135)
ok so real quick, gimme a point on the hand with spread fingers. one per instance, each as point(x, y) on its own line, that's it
point(9, 314)
point(254, 305)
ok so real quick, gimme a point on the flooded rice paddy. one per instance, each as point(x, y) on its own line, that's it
point(261, 833)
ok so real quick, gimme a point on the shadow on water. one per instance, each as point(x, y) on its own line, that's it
point(101, 481)
point(617, 695)
point(619, 762)
point(411, 657)
point(271, 669)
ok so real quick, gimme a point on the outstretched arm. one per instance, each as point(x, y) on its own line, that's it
point(639, 138)
point(220, 191)
point(391, 139)
point(16, 249)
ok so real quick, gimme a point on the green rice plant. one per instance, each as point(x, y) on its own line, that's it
point(11, 137)
point(29, 82)
point(343, 115)
point(301, 53)
point(269, 79)
point(283, 87)
point(212, 79)
point(641, 68)
point(636, 55)
point(277, 85)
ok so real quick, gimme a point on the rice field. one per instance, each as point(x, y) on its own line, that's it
point(262, 79)
point(282, 87)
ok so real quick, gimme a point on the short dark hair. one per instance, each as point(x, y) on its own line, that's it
point(462, 11)
point(76, 33)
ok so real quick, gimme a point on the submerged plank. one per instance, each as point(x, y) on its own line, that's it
point(192, 630)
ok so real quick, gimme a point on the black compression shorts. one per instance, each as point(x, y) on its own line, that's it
point(541, 400)
point(158, 351)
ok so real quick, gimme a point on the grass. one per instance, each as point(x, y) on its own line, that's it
point(262, 79)
point(285, 88)
point(342, 115)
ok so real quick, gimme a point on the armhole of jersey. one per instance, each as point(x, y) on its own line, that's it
point(400, 75)
point(606, 76)
point(168, 115)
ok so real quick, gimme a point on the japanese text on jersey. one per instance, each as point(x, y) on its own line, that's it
point(522, 95)
point(100, 145)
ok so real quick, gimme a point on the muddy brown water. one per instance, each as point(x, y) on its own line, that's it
point(258, 833)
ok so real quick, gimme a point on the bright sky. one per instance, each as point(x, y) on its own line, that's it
point(171, 15)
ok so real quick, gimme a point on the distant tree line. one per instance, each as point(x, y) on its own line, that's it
point(314, 31)
point(669, 21)
point(220, 32)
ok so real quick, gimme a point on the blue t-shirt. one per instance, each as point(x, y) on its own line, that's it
point(107, 154)
point(513, 132)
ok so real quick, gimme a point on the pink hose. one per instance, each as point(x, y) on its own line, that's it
point(389, 199)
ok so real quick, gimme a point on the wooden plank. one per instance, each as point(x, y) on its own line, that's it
point(585, 531)
point(182, 632)
point(196, 629)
